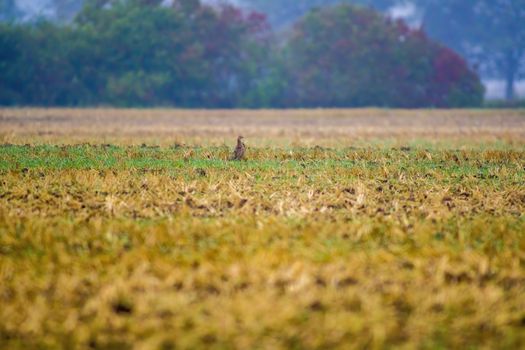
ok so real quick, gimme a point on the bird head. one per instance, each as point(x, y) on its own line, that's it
point(240, 138)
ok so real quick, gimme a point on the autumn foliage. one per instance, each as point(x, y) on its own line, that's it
point(349, 56)
point(144, 53)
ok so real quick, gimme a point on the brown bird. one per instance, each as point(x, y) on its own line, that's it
point(238, 154)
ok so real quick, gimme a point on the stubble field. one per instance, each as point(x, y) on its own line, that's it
point(342, 229)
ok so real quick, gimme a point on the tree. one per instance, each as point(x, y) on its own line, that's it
point(350, 56)
point(35, 67)
point(488, 32)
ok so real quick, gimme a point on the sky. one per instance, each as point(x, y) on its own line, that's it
point(46, 8)
point(35, 8)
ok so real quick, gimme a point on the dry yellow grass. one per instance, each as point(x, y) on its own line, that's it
point(332, 127)
point(413, 242)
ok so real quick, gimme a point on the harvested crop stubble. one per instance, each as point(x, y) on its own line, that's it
point(107, 246)
point(327, 127)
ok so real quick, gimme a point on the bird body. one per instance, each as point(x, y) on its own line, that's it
point(240, 150)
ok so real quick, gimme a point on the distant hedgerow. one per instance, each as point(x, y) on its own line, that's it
point(145, 53)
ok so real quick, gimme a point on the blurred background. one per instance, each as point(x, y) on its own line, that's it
point(262, 53)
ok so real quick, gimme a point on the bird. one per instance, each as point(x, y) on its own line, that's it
point(240, 150)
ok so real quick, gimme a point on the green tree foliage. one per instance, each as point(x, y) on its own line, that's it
point(34, 68)
point(143, 53)
point(188, 55)
point(351, 56)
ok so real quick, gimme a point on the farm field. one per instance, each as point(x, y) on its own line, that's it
point(342, 229)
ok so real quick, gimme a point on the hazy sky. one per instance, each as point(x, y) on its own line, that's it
point(47, 8)
point(37, 7)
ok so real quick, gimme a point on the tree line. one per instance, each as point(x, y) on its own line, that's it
point(189, 54)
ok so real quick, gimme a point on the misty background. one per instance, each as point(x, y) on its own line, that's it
point(488, 34)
